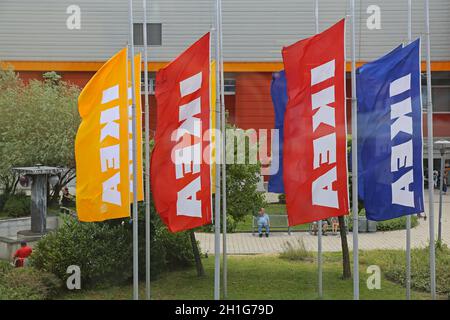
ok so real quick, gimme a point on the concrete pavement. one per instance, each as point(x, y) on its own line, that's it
point(246, 243)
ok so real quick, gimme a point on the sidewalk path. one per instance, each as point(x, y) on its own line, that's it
point(246, 243)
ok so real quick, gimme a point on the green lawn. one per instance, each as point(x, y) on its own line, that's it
point(271, 209)
point(258, 277)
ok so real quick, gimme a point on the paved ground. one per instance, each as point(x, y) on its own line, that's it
point(246, 243)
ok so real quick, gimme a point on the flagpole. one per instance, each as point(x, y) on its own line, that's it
point(218, 159)
point(135, 208)
point(319, 236)
point(224, 168)
point(147, 160)
point(430, 157)
point(354, 163)
point(408, 217)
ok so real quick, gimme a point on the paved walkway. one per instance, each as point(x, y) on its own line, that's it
point(246, 243)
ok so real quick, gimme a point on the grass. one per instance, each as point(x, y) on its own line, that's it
point(258, 277)
point(271, 209)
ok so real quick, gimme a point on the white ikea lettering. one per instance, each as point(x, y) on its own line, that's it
point(322, 190)
point(323, 151)
point(190, 85)
point(402, 122)
point(190, 124)
point(323, 72)
point(110, 157)
point(110, 192)
point(187, 160)
point(402, 154)
point(324, 147)
point(188, 157)
point(110, 154)
point(400, 190)
point(187, 203)
point(325, 114)
point(110, 94)
point(109, 116)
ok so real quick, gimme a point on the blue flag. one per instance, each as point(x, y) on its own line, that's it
point(390, 146)
point(278, 90)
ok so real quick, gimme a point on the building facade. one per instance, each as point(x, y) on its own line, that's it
point(75, 37)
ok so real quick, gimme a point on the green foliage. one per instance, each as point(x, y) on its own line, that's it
point(393, 265)
point(296, 253)
point(103, 250)
point(28, 284)
point(100, 250)
point(396, 224)
point(17, 205)
point(282, 198)
point(38, 124)
point(388, 225)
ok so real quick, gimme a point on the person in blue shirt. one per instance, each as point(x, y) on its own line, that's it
point(263, 222)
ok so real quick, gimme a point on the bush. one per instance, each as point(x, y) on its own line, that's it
point(28, 284)
point(394, 267)
point(104, 250)
point(282, 198)
point(17, 206)
point(296, 253)
point(387, 225)
point(396, 224)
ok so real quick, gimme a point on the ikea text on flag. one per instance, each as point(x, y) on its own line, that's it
point(101, 145)
point(137, 77)
point(315, 147)
point(180, 170)
point(390, 134)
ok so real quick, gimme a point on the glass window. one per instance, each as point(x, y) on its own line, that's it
point(154, 34)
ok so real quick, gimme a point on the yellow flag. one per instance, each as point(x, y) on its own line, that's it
point(101, 145)
point(137, 92)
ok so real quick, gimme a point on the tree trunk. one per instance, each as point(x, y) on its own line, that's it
point(196, 251)
point(346, 271)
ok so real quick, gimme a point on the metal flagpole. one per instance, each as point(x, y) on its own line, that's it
point(354, 163)
point(319, 236)
point(224, 168)
point(218, 159)
point(430, 156)
point(408, 217)
point(147, 160)
point(135, 208)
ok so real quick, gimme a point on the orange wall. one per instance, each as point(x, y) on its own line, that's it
point(251, 107)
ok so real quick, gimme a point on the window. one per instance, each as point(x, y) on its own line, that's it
point(229, 86)
point(440, 90)
point(154, 34)
point(151, 83)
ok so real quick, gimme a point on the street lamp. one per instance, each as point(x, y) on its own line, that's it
point(443, 145)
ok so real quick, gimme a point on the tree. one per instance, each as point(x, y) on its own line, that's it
point(38, 125)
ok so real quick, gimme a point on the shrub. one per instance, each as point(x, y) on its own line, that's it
point(297, 253)
point(17, 206)
point(282, 198)
point(104, 250)
point(395, 269)
point(28, 284)
point(387, 225)
point(396, 224)
point(100, 250)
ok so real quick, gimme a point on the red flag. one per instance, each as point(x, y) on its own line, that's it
point(315, 147)
point(180, 169)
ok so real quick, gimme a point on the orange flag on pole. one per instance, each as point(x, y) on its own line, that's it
point(101, 145)
point(137, 92)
